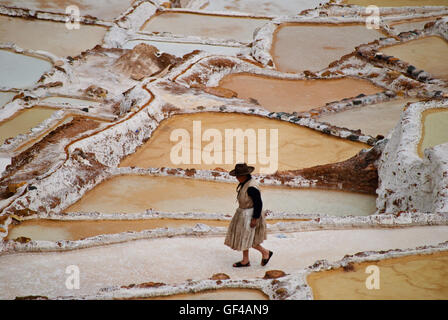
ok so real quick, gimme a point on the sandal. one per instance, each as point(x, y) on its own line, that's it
point(239, 265)
point(265, 261)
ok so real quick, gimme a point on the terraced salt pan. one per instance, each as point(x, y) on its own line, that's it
point(102, 9)
point(50, 36)
point(280, 95)
point(262, 7)
point(205, 26)
point(408, 25)
point(19, 70)
point(298, 147)
point(428, 54)
point(66, 119)
point(176, 259)
point(416, 277)
point(23, 121)
point(294, 50)
point(6, 97)
point(54, 230)
point(397, 3)
point(180, 49)
point(385, 115)
point(435, 129)
point(133, 194)
point(70, 101)
point(221, 294)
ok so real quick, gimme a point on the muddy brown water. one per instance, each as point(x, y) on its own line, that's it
point(435, 129)
point(298, 147)
point(294, 50)
point(295, 95)
point(133, 194)
point(50, 36)
point(206, 26)
point(416, 277)
point(23, 121)
point(428, 54)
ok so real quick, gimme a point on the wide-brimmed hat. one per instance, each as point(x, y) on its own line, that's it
point(241, 169)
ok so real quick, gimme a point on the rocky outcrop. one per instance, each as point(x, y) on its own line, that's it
point(274, 274)
point(220, 276)
point(143, 61)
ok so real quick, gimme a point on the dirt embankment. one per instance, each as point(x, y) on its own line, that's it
point(43, 155)
point(357, 174)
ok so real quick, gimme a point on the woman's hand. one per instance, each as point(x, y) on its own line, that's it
point(253, 223)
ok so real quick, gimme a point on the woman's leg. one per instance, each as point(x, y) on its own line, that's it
point(245, 257)
point(263, 251)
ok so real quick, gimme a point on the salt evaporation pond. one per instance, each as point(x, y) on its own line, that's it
point(416, 277)
point(180, 49)
point(102, 9)
point(43, 273)
point(219, 294)
point(280, 95)
point(428, 53)
point(294, 50)
point(134, 194)
point(50, 36)
point(264, 7)
point(397, 3)
point(408, 25)
point(6, 97)
point(23, 121)
point(70, 101)
point(55, 230)
point(205, 26)
point(386, 115)
point(435, 129)
point(298, 147)
point(20, 70)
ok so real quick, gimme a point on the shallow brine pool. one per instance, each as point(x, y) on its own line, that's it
point(435, 129)
point(199, 141)
point(20, 70)
point(134, 194)
point(205, 26)
point(294, 50)
point(428, 54)
point(418, 277)
point(280, 95)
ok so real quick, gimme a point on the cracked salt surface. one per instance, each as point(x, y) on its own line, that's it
point(174, 260)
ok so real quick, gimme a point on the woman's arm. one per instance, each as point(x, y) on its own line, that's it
point(255, 195)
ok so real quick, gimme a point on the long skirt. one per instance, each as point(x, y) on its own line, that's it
point(240, 236)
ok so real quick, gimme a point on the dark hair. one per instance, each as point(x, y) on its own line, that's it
point(240, 185)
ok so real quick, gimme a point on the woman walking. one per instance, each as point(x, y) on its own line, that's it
point(248, 226)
